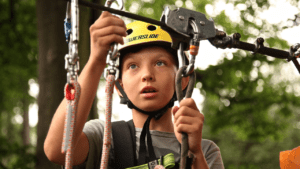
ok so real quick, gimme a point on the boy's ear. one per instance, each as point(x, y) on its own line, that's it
point(184, 82)
point(119, 93)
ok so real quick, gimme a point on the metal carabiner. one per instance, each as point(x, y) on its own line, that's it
point(108, 3)
point(190, 88)
point(181, 55)
point(112, 57)
point(71, 26)
point(114, 46)
point(194, 47)
point(67, 23)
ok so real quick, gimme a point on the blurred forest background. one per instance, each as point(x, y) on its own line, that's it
point(251, 109)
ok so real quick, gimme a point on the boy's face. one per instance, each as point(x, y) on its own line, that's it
point(148, 77)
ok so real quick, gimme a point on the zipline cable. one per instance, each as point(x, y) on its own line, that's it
point(280, 54)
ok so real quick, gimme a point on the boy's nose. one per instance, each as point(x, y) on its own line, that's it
point(148, 76)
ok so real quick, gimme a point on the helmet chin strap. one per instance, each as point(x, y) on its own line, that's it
point(145, 156)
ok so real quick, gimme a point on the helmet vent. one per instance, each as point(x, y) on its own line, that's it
point(151, 28)
point(129, 31)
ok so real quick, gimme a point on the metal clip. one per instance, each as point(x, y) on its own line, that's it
point(71, 26)
point(294, 52)
point(236, 39)
point(67, 23)
point(152, 164)
point(112, 59)
point(259, 43)
point(194, 47)
point(178, 25)
point(109, 3)
point(113, 64)
point(181, 55)
point(221, 40)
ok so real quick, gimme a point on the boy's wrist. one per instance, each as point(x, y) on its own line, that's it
point(97, 62)
point(199, 161)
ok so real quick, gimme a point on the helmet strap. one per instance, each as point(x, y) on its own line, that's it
point(145, 156)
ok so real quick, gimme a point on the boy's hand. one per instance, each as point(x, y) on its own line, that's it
point(106, 30)
point(188, 119)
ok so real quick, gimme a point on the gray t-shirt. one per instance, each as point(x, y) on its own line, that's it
point(163, 143)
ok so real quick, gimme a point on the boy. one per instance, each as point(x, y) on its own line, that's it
point(147, 76)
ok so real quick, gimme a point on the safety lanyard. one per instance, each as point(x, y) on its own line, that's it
point(72, 87)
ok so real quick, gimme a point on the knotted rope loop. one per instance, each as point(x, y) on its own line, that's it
point(72, 94)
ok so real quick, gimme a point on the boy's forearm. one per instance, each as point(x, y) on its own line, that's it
point(199, 161)
point(88, 80)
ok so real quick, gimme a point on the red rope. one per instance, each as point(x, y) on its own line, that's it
point(72, 94)
point(110, 81)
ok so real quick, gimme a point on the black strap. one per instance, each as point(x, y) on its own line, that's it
point(124, 134)
point(157, 113)
point(144, 157)
point(132, 134)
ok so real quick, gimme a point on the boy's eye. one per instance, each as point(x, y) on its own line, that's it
point(160, 63)
point(133, 66)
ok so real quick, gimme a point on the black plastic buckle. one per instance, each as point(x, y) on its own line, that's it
point(152, 164)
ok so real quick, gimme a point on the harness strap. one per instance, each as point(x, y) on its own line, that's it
point(125, 156)
point(143, 151)
point(124, 146)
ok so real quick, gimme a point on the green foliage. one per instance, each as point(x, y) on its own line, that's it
point(245, 102)
point(16, 156)
point(18, 64)
point(18, 50)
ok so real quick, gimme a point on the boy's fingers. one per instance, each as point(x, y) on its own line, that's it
point(107, 40)
point(105, 14)
point(107, 21)
point(184, 111)
point(108, 31)
point(189, 102)
point(185, 120)
point(175, 109)
point(185, 128)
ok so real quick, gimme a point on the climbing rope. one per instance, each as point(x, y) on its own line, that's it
point(72, 94)
point(72, 87)
point(111, 74)
point(109, 87)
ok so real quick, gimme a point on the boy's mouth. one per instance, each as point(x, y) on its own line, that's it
point(148, 89)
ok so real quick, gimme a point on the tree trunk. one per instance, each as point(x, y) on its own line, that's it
point(94, 16)
point(84, 47)
point(52, 76)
